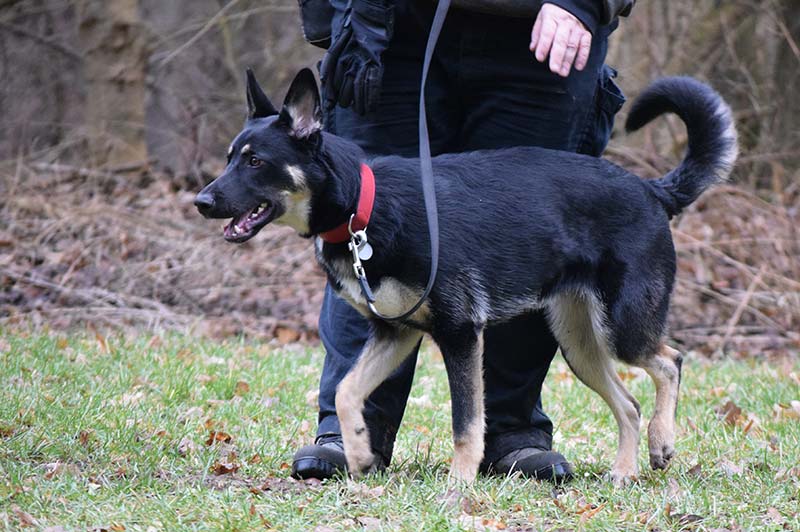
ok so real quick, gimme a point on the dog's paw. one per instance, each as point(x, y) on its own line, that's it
point(360, 458)
point(463, 473)
point(661, 455)
point(363, 465)
point(621, 479)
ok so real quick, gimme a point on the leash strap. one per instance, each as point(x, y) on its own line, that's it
point(426, 173)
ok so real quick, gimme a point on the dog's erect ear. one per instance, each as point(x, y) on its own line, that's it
point(301, 109)
point(258, 105)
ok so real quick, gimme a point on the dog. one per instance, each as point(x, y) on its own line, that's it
point(522, 229)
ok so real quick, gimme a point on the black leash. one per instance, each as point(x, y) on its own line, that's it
point(428, 191)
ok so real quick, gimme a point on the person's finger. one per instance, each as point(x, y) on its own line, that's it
point(536, 31)
point(559, 46)
point(570, 52)
point(584, 47)
point(549, 27)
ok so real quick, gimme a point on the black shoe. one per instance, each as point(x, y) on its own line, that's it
point(325, 459)
point(533, 462)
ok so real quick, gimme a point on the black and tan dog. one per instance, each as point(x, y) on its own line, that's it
point(522, 229)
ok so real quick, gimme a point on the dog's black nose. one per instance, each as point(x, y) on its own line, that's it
point(204, 202)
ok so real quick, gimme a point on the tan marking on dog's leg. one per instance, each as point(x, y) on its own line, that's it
point(665, 370)
point(576, 322)
point(469, 450)
point(381, 356)
point(469, 443)
point(599, 374)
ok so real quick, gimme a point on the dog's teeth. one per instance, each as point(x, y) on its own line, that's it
point(237, 229)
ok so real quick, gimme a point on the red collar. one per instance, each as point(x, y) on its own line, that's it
point(366, 199)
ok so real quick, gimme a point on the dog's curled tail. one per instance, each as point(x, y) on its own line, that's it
point(712, 146)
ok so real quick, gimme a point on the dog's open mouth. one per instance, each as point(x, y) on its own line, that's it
point(245, 226)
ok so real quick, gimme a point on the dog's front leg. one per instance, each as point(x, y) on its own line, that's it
point(462, 350)
point(385, 350)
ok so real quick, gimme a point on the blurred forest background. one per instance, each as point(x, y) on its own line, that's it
point(114, 113)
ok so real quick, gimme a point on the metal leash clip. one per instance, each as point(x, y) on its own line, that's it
point(358, 241)
point(361, 250)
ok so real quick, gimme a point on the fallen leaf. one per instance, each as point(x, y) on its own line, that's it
point(369, 523)
point(376, 492)
point(785, 474)
point(730, 469)
point(25, 519)
point(268, 402)
point(684, 520)
point(774, 516)
point(241, 388)
point(226, 465)
point(102, 343)
point(286, 335)
point(218, 436)
point(191, 413)
point(154, 342)
point(186, 446)
point(696, 470)
point(84, 436)
point(784, 411)
point(55, 469)
point(471, 506)
point(730, 413)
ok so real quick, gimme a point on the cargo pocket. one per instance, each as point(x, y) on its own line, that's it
point(608, 101)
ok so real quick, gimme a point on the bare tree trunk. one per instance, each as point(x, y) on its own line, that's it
point(113, 42)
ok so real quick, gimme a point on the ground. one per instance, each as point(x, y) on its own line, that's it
point(173, 433)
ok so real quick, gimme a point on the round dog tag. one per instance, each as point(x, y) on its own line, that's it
point(365, 251)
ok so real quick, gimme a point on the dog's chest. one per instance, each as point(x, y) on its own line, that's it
point(392, 297)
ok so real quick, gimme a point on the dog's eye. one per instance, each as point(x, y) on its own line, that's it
point(254, 161)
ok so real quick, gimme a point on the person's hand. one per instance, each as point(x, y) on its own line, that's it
point(352, 71)
point(559, 34)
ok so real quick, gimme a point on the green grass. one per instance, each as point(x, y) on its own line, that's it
point(111, 433)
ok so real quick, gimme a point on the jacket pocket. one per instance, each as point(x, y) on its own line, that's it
point(608, 101)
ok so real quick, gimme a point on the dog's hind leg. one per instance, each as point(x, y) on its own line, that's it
point(578, 325)
point(462, 350)
point(384, 352)
point(665, 370)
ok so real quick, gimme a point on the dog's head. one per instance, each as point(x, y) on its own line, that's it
point(266, 175)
